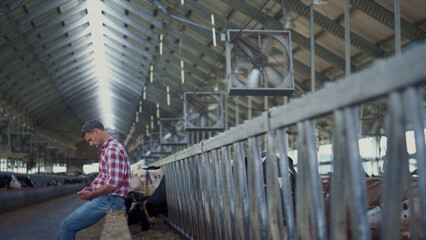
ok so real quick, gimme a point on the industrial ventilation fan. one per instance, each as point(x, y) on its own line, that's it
point(259, 63)
point(39, 149)
point(203, 111)
point(144, 151)
point(172, 131)
point(156, 147)
point(4, 132)
point(53, 154)
point(21, 142)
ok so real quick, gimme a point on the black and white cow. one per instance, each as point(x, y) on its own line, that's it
point(143, 209)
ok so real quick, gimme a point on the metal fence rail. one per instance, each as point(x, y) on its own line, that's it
point(213, 194)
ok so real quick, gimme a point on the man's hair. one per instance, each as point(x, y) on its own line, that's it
point(89, 126)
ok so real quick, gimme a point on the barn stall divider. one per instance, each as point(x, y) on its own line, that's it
point(213, 194)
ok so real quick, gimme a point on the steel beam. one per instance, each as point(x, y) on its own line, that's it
point(386, 17)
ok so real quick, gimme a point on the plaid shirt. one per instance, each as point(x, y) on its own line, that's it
point(114, 168)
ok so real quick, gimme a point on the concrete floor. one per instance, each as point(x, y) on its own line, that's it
point(40, 221)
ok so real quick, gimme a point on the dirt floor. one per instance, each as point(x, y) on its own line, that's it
point(160, 230)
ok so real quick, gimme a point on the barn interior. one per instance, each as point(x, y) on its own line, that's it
point(167, 76)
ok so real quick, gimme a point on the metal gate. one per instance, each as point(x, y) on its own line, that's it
point(213, 194)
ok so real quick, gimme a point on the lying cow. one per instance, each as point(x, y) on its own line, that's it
point(143, 209)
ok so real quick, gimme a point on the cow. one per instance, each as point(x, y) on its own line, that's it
point(141, 175)
point(143, 209)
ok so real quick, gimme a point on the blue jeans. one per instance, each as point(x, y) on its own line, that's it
point(87, 215)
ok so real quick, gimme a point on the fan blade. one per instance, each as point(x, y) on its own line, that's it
point(278, 60)
point(202, 121)
point(266, 45)
point(273, 77)
point(167, 136)
point(241, 63)
point(212, 117)
point(194, 115)
point(253, 78)
point(212, 106)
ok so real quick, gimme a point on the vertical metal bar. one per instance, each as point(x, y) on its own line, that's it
point(196, 198)
point(256, 191)
point(338, 180)
point(178, 208)
point(273, 197)
point(397, 14)
point(237, 110)
point(218, 195)
point(249, 107)
point(286, 184)
point(312, 41)
point(357, 188)
point(201, 199)
point(241, 194)
point(189, 197)
point(173, 196)
point(265, 102)
point(165, 170)
point(184, 196)
point(209, 194)
point(226, 110)
point(396, 156)
point(313, 183)
point(317, 198)
point(180, 196)
point(347, 40)
point(303, 203)
point(414, 104)
point(228, 194)
point(177, 190)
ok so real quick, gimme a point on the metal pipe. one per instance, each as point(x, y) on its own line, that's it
point(312, 41)
point(348, 40)
point(397, 13)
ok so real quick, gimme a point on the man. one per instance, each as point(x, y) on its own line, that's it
point(108, 189)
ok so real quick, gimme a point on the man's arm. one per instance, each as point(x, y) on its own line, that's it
point(104, 190)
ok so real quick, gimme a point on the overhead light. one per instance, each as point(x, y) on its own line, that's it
point(151, 73)
point(137, 117)
point(182, 2)
point(152, 122)
point(182, 72)
point(320, 2)
point(161, 44)
point(158, 111)
point(213, 31)
point(147, 130)
point(168, 96)
point(94, 12)
point(144, 92)
point(289, 23)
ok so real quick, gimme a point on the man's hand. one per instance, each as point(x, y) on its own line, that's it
point(85, 194)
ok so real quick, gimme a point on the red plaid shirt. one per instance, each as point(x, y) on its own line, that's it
point(114, 168)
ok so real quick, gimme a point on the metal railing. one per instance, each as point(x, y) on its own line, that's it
point(211, 196)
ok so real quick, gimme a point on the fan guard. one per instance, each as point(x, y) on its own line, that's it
point(156, 147)
point(4, 132)
point(39, 149)
point(203, 111)
point(259, 63)
point(172, 131)
point(21, 142)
